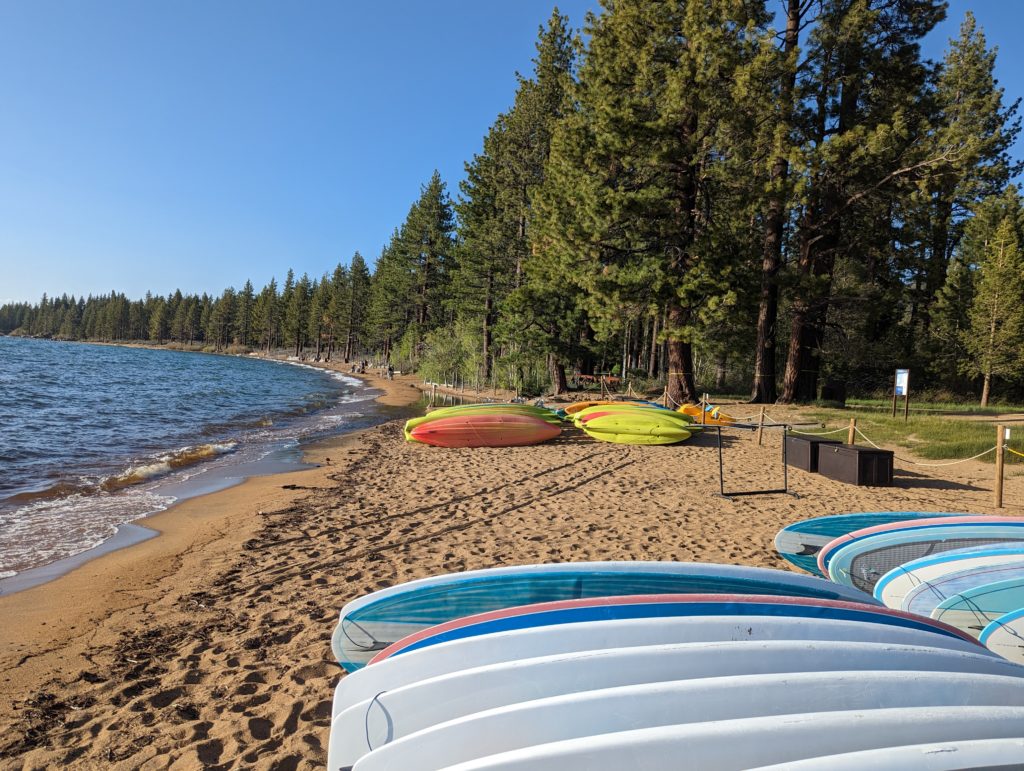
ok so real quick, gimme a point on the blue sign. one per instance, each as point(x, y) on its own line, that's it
point(902, 382)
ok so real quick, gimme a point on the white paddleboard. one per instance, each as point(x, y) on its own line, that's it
point(397, 713)
point(893, 588)
point(592, 713)
point(526, 643)
point(989, 754)
point(734, 745)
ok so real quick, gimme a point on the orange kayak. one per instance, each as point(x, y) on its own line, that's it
point(494, 430)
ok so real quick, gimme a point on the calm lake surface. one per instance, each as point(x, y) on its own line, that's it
point(93, 437)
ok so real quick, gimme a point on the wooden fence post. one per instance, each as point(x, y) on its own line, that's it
point(850, 439)
point(760, 425)
point(1000, 433)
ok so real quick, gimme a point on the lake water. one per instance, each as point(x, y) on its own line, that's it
point(93, 437)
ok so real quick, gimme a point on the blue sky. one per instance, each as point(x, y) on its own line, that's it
point(192, 145)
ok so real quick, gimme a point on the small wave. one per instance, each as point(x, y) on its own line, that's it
point(59, 490)
point(7, 574)
point(186, 456)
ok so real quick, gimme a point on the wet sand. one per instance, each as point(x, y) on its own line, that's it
point(208, 646)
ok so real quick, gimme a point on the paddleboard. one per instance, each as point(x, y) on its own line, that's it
point(735, 745)
point(645, 606)
point(975, 608)
point(863, 562)
point(458, 655)
point(989, 754)
point(925, 598)
point(894, 586)
point(372, 623)
point(607, 710)
point(393, 714)
point(800, 542)
point(825, 555)
point(1005, 636)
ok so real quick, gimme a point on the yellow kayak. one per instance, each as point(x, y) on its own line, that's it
point(712, 415)
point(630, 409)
point(636, 428)
point(577, 407)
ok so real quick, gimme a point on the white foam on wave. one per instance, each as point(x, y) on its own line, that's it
point(50, 530)
point(167, 462)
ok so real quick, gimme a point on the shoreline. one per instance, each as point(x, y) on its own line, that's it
point(101, 579)
point(135, 531)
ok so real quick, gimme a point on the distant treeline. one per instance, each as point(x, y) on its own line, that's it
point(691, 197)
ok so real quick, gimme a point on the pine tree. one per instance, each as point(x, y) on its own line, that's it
point(974, 133)
point(339, 291)
point(990, 250)
point(495, 210)
point(242, 322)
point(319, 322)
point(297, 312)
point(625, 207)
point(358, 295)
point(861, 141)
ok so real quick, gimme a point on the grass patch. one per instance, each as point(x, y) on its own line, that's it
point(931, 437)
point(957, 408)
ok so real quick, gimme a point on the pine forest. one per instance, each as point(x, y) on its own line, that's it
point(691, 194)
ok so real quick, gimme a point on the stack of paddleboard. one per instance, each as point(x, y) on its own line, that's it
point(634, 423)
point(484, 425)
point(618, 665)
point(964, 570)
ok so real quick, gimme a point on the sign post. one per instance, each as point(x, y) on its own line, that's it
point(901, 387)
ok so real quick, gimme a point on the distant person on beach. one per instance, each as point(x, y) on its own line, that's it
point(391, 372)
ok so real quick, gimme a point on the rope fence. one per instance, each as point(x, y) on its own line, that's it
point(764, 420)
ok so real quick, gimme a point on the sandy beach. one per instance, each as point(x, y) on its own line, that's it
point(208, 646)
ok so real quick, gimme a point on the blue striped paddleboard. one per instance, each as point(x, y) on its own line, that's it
point(975, 608)
point(924, 599)
point(372, 623)
point(662, 606)
point(800, 542)
point(1005, 636)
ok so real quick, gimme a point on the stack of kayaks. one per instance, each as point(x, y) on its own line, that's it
point(639, 664)
point(961, 569)
point(484, 425)
point(634, 424)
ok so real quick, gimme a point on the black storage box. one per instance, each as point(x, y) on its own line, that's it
point(802, 451)
point(856, 465)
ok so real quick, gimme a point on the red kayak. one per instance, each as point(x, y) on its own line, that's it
point(494, 430)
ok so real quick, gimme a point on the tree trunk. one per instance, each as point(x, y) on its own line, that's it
point(652, 362)
point(764, 389)
point(681, 386)
point(556, 370)
point(986, 388)
point(721, 362)
point(487, 332)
